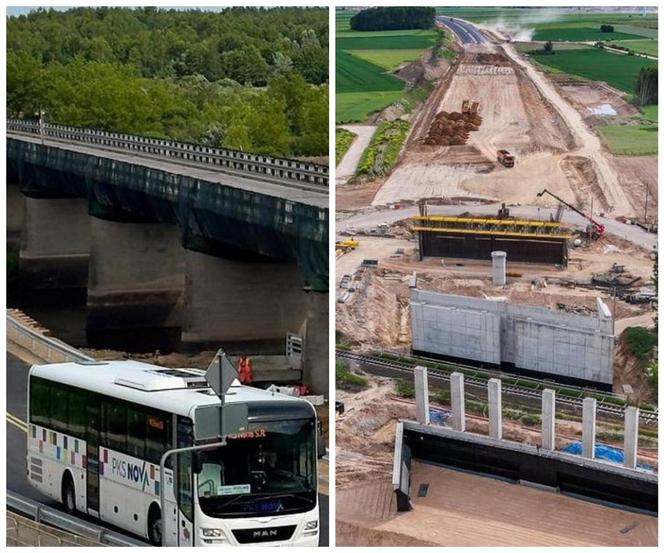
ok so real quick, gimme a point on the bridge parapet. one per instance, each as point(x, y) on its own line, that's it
point(235, 160)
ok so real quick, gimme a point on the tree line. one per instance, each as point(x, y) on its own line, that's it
point(245, 78)
point(646, 86)
point(385, 19)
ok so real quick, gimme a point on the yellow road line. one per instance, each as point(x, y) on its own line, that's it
point(18, 423)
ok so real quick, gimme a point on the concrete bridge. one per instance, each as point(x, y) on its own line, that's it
point(173, 242)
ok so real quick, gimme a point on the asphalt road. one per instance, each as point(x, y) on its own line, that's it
point(468, 34)
point(17, 377)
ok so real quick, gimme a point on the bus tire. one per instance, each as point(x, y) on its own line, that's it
point(68, 493)
point(154, 525)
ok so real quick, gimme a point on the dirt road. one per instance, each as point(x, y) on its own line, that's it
point(588, 144)
point(348, 164)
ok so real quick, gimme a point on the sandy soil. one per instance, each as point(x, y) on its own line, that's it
point(524, 113)
point(588, 97)
point(356, 196)
point(466, 510)
point(348, 164)
point(638, 173)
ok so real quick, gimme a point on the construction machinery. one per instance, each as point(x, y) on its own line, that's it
point(505, 158)
point(467, 107)
point(595, 230)
point(345, 246)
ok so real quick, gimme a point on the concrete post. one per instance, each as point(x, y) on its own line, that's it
point(631, 436)
point(549, 419)
point(135, 285)
point(458, 404)
point(494, 388)
point(589, 419)
point(422, 395)
point(498, 268)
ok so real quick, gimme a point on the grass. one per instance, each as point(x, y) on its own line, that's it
point(617, 70)
point(349, 381)
point(344, 139)
point(630, 140)
point(364, 59)
point(404, 388)
point(388, 60)
point(642, 46)
point(640, 342)
point(579, 34)
point(381, 154)
point(650, 113)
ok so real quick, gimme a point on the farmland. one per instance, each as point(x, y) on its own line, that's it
point(563, 25)
point(643, 46)
point(635, 140)
point(364, 60)
point(617, 70)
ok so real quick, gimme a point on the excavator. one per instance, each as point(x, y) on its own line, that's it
point(594, 230)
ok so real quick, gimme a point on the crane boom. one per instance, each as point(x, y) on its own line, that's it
point(599, 227)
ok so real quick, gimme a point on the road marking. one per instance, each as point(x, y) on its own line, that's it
point(18, 423)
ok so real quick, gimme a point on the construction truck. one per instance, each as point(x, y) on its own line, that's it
point(505, 158)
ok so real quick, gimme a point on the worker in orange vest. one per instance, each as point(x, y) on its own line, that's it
point(245, 371)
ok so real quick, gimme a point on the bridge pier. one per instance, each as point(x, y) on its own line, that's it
point(135, 285)
point(315, 362)
point(245, 307)
point(54, 250)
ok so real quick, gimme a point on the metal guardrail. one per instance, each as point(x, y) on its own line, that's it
point(220, 159)
point(44, 514)
point(46, 348)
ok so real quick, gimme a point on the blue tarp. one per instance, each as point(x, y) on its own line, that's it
point(604, 452)
point(438, 416)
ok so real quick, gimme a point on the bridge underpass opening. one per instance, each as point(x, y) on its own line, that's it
point(147, 282)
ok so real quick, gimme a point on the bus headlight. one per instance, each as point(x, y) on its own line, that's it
point(311, 528)
point(214, 536)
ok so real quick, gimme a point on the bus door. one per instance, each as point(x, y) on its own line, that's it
point(185, 484)
point(92, 468)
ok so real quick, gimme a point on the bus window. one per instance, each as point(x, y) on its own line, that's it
point(39, 402)
point(78, 400)
point(115, 425)
point(59, 402)
point(135, 431)
point(157, 436)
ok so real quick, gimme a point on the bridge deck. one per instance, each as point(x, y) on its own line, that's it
point(286, 191)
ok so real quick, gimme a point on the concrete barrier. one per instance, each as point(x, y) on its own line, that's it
point(23, 532)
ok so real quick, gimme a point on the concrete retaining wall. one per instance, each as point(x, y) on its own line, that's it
point(496, 332)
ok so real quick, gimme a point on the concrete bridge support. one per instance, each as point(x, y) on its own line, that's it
point(15, 214)
point(245, 307)
point(55, 248)
point(135, 285)
point(315, 362)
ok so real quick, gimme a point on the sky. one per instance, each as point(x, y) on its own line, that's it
point(13, 11)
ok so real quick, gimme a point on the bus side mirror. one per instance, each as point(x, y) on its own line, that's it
point(196, 463)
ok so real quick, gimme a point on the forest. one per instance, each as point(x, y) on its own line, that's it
point(246, 78)
point(387, 19)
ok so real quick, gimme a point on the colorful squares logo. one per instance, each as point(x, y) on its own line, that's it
point(76, 446)
point(73, 457)
point(34, 432)
point(65, 442)
point(106, 456)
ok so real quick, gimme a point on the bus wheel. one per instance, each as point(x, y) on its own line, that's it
point(154, 525)
point(68, 494)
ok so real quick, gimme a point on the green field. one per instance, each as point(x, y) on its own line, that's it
point(388, 60)
point(643, 46)
point(635, 140)
point(343, 140)
point(650, 113)
point(578, 34)
point(617, 70)
point(364, 60)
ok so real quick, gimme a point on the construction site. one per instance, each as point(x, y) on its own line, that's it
point(507, 244)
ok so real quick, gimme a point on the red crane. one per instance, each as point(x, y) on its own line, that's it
point(597, 229)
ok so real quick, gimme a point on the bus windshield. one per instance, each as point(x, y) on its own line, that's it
point(269, 469)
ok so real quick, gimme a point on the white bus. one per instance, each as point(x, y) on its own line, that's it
point(97, 432)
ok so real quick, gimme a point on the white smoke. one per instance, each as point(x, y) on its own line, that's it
point(521, 29)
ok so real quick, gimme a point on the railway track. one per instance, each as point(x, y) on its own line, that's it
point(443, 370)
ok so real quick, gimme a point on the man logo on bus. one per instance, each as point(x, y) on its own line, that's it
point(131, 471)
